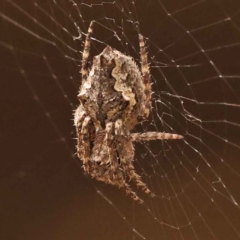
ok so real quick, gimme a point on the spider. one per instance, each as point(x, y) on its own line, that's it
point(114, 96)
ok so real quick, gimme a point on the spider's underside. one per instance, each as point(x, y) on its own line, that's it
point(114, 97)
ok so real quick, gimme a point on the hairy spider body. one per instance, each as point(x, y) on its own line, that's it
point(114, 97)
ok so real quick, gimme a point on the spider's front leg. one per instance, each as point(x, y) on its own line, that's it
point(85, 135)
point(146, 79)
point(85, 54)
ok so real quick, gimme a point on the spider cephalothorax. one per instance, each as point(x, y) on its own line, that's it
point(114, 97)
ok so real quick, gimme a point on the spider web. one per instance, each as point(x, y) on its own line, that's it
point(194, 49)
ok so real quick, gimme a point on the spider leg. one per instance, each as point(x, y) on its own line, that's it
point(114, 174)
point(125, 150)
point(145, 78)
point(109, 143)
point(130, 192)
point(119, 128)
point(136, 178)
point(148, 136)
point(126, 153)
point(85, 54)
point(120, 182)
point(84, 132)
